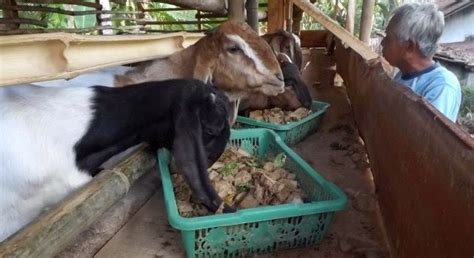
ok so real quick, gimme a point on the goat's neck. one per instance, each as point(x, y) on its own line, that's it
point(192, 62)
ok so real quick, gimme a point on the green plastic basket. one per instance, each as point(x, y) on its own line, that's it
point(261, 229)
point(293, 132)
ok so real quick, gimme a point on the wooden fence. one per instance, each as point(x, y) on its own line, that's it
point(103, 17)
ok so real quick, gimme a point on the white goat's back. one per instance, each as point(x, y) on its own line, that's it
point(104, 77)
point(39, 127)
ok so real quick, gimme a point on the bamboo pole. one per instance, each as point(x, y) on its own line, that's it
point(42, 57)
point(366, 20)
point(54, 231)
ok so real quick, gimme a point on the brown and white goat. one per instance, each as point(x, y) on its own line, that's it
point(286, 47)
point(232, 56)
point(286, 43)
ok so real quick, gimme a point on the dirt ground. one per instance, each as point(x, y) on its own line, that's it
point(336, 151)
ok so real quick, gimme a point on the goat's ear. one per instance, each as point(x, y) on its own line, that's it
point(190, 154)
point(211, 99)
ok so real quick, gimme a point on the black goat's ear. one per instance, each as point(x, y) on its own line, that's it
point(210, 100)
point(190, 154)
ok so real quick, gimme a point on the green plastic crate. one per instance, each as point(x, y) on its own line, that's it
point(261, 229)
point(293, 132)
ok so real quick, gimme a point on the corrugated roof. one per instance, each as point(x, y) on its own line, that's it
point(450, 7)
point(457, 52)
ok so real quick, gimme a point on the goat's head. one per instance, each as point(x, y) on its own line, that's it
point(294, 85)
point(287, 43)
point(238, 61)
point(201, 134)
point(215, 127)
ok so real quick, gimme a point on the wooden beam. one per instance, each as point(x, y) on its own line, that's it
point(367, 19)
point(53, 231)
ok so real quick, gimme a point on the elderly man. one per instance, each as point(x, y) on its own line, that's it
point(410, 44)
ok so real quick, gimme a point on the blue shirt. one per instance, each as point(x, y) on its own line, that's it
point(438, 85)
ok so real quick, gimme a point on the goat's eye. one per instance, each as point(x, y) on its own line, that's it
point(233, 49)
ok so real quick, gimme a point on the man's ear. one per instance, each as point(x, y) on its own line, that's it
point(411, 47)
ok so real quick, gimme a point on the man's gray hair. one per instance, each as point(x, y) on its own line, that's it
point(421, 23)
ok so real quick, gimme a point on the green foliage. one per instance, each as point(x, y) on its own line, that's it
point(467, 103)
point(381, 13)
point(279, 160)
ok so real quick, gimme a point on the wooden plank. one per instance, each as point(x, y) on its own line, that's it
point(53, 231)
point(52, 56)
point(147, 234)
point(106, 226)
point(422, 163)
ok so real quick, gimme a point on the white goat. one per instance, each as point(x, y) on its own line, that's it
point(53, 140)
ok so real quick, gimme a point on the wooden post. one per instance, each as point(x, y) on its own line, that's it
point(350, 16)
point(288, 15)
point(252, 14)
point(276, 14)
point(237, 10)
point(366, 20)
point(297, 17)
point(10, 14)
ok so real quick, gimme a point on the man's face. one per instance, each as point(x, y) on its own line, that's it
point(393, 50)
